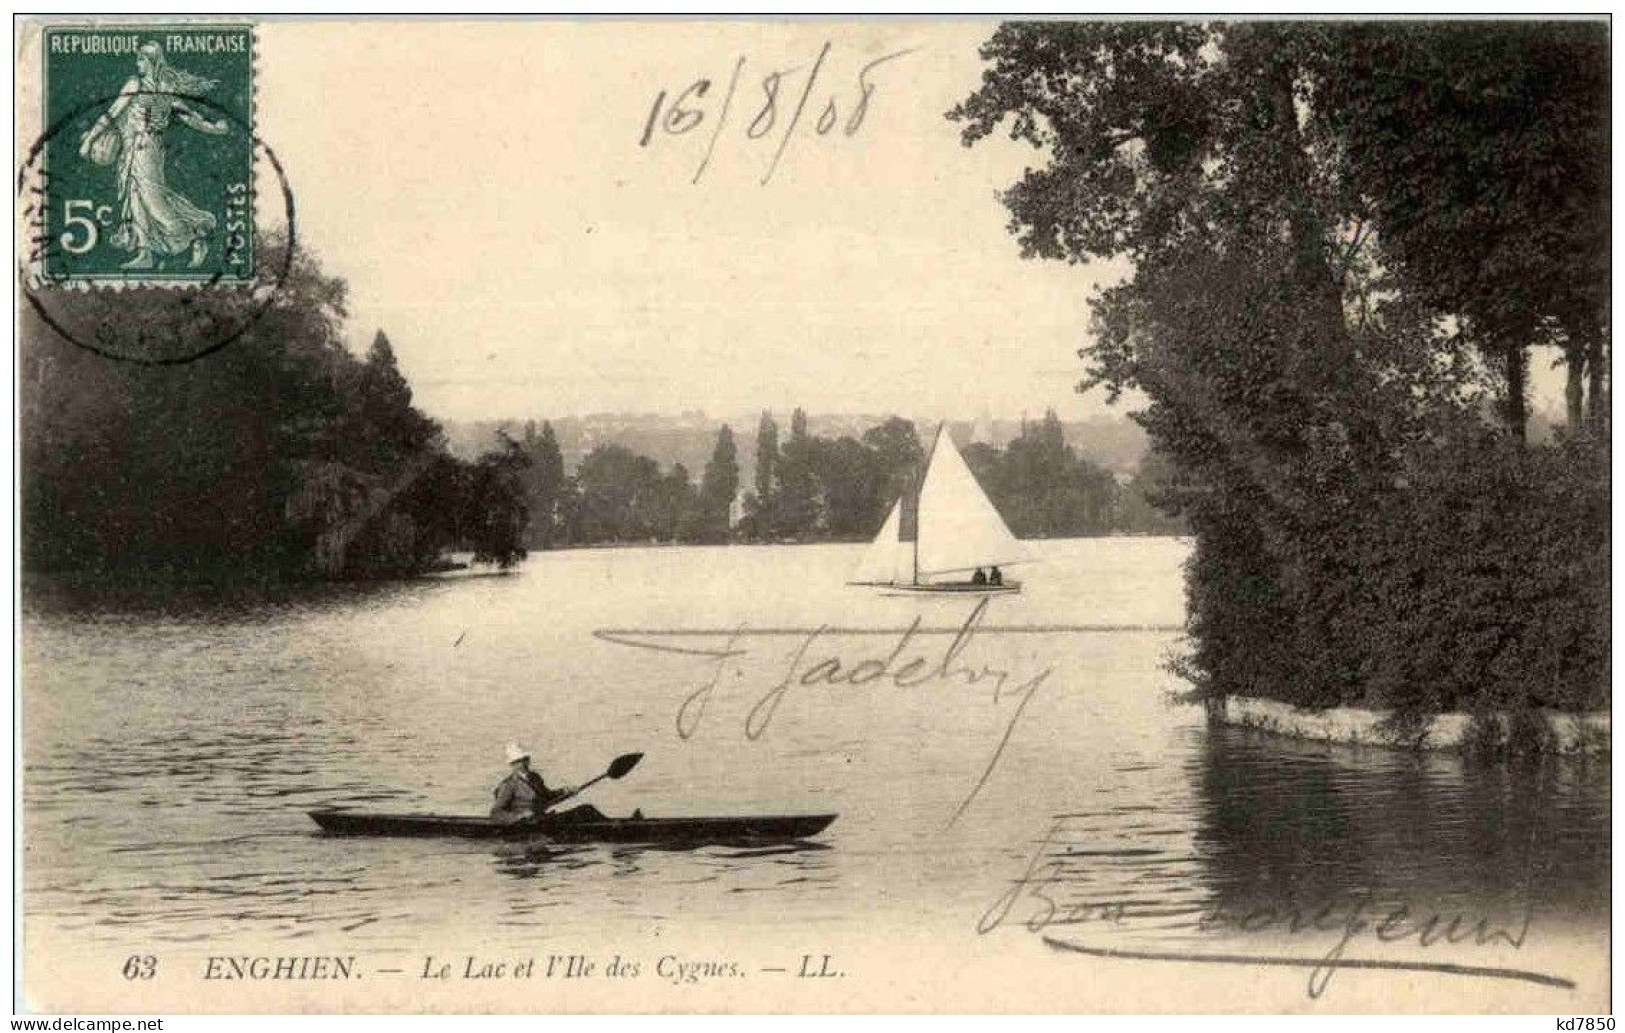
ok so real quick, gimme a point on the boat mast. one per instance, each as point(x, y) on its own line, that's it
point(916, 579)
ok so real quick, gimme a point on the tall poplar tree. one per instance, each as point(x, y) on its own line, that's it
point(718, 486)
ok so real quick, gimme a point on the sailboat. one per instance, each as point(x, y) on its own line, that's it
point(940, 532)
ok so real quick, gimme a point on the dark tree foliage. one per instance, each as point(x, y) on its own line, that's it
point(898, 456)
point(676, 507)
point(1051, 491)
point(842, 488)
point(852, 481)
point(762, 506)
point(382, 413)
point(544, 484)
point(845, 487)
point(799, 510)
point(570, 512)
point(623, 497)
point(1143, 504)
point(616, 485)
point(280, 456)
point(718, 486)
point(1043, 488)
point(834, 488)
point(494, 512)
point(1483, 156)
point(1344, 239)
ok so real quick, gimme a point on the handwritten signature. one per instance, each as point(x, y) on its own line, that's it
point(917, 670)
point(1039, 893)
point(770, 113)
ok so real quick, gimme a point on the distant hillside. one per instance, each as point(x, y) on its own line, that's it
point(1115, 443)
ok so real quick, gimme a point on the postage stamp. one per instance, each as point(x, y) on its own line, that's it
point(148, 154)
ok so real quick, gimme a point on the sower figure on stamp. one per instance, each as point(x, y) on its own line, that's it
point(154, 221)
point(523, 794)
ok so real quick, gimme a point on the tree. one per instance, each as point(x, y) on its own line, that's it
point(571, 513)
point(718, 485)
point(852, 486)
point(673, 506)
point(1483, 156)
point(1179, 148)
point(1047, 490)
point(764, 520)
point(798, 503)
point(1306, 385)
point(898, 455)
point(544, 481)
point(495, 514)
point(382, 408)
point(1143, 506)
point(268, 458)
point(618, 496)
point(1042, 487)
point(279, 456)
point(179, 471)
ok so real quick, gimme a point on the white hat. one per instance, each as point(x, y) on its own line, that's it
point(517, 752)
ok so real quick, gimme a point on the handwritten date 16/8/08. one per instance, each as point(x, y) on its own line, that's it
point(772, 107)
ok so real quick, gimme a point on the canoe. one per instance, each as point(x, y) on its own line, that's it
point(565, 828)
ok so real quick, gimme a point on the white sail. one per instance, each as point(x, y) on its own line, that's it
point(959, 530)
point(889, 560)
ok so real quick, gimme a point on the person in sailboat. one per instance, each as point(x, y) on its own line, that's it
point(995, 577)
point(523, 794)
point(978, 578)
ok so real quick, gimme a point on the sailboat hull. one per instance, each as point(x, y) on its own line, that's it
point(954, 588)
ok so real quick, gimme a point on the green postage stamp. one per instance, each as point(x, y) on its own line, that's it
point(148, 155)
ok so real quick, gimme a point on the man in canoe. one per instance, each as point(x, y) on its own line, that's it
point(523, 794)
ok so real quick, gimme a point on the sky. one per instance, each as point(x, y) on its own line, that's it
point(503, 205)
point(483, 189)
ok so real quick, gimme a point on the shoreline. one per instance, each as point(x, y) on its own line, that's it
point(454, 561)
point(1588, 734)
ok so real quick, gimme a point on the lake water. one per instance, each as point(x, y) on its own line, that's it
point(172, 748)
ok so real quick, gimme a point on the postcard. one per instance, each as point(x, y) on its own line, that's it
point(813, 515)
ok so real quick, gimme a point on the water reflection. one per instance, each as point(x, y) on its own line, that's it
point(657, 882)
point(1287, 824)
point(52, 597)
point(526, 860)
point(1267, 826)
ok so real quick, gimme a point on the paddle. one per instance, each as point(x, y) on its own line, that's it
point(618, 768)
